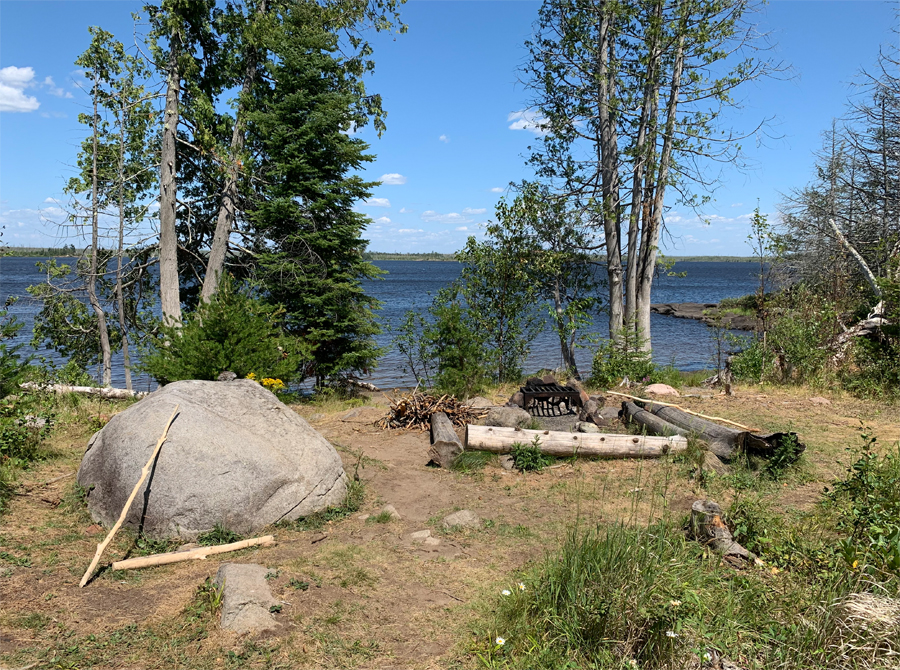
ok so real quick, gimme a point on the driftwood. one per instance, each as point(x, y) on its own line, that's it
point(708, 528)
point(101, 391)
point(144, 472)
point(445, 445)
point(414, 410)
point(556, 443)
point(631, 413)
point(194, 554)
point(686, 411)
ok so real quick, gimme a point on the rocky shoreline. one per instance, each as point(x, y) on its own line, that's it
point(707, 312)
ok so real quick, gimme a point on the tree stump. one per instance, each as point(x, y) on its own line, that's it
point(708, 528)
point(445, 445)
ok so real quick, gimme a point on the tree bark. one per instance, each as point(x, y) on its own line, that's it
point(228, 204)
point(652, 226)
point(102, 329)
point(120, 249)
point(501, 440)
point(169, 288)
point(708, 527)
point(445, 445)
point(104, 392)
point(654, 425)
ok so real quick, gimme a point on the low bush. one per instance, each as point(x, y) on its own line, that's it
point(235, 331)
point(529, 457)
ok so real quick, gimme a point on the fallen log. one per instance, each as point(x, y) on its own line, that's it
point(144, 472)
point(725, 442)
point(655, 425)
point(686, 411)
point(445, 445)
point(194, 554)
point(708, 528)
point(500, 440)
point(105, 392)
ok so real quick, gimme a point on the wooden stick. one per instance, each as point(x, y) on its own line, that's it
point(702, 416)
point(194, 554)
point(144, 472)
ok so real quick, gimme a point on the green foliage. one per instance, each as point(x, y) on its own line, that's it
point(218, 535)
point(472, 461)
point(462, 358)
point(868, 501)
point(235, 331)
point(529, 457)
point(12, 364)
point(613, 362)
point(619, 597)
point(25, 420)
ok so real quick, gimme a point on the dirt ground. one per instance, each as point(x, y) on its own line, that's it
point(375, 599)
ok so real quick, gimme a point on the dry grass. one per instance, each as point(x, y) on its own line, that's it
point(374, 600)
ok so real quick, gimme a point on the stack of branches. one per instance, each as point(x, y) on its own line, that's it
point(414, 410)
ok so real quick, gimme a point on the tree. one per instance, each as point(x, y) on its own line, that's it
point(628, 107)
point(553, 238)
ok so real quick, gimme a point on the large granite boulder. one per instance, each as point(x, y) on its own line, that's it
point(235, 455)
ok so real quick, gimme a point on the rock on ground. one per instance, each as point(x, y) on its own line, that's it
point(586, 427)
point(392, 512)
point(661, 389)
point(462, 519)
point(480, 402)
point(508, 417)
point(246, 598)
point(235, 455)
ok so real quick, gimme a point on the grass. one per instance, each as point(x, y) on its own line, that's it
point(617, 596)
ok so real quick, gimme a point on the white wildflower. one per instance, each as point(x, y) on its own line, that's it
point(671, 633)
point(506, 592)
point(500, 641)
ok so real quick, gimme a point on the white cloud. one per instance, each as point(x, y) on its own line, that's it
point(430, 216)
point(12, 82)
point(496, 189)
point(392, 179)
point(737, 204)
point(463, 228)
point(528, 120)
point(382, 220)
point(410, 230)
point(377, 202)
point(472, 212)
point(444, 139)
point(53, 89)
point(405, 210)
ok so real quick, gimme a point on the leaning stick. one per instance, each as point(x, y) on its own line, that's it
point(687, 411)
point(194, 554)
point(144, 472)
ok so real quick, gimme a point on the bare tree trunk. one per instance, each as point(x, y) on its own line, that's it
point(103, 331)
point(228, 205)
point(641, 158)
point(169, 290)
point(565, 350)
point(120, 250)
point(609, 181)
point(652, 226)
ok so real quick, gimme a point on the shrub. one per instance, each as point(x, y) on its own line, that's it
point(530, 457)
point(236, 332)
point(612, 363)
point(12, 365)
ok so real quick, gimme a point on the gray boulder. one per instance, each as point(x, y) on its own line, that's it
point(246, 598)
point(507, 417)
point(462, 519)
point(235, 455)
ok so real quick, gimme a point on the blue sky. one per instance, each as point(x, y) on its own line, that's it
point(454, 140)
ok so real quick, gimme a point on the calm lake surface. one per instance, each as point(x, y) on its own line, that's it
point(411, 285)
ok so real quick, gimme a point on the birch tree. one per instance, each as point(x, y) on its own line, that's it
point(630, 95)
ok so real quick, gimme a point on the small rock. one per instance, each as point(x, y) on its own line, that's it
point(392, 511)
point(586, 427)
point(431, 541)
point(534, 381)
point(609, 413)
point(548, 379)
point(517, 400)
point(363, 517)
point(661, 389)
point(462, 519)
point(32, 421)
point(420, 535)
point(93, 529)
point(818, 400)
point(227, 376)
point(508, 417)
point(246, 599)
point(507, 462)
point(587, 410)
point(480, 402)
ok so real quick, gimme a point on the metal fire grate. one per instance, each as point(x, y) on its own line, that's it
point(549, 398)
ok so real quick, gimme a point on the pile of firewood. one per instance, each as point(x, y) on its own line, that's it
point(414, 410)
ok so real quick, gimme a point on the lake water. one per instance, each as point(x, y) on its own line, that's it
point(411, 284)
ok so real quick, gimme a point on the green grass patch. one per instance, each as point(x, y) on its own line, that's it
point(472, 461)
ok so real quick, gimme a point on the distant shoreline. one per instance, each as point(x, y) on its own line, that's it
point(434, 256)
